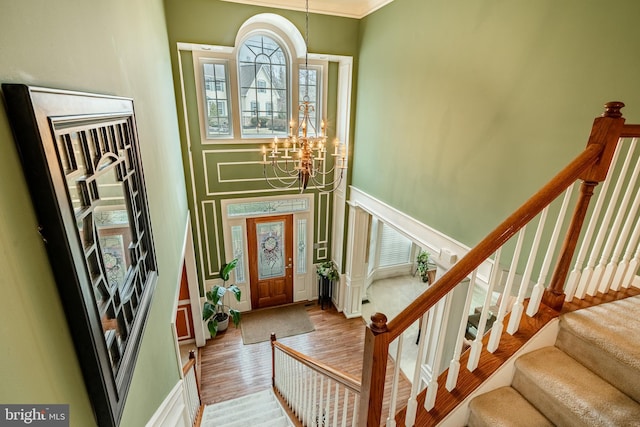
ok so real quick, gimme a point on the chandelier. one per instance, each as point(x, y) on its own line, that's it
point(301, 158)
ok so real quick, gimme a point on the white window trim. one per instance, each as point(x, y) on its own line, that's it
point(201, 57)
point(294, 47)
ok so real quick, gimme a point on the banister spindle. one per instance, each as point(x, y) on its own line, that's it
point(273, 359)
point(374, 370)
point(605, 132)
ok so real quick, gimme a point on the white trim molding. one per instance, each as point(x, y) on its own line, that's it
point(447, 251)
point(172, 412)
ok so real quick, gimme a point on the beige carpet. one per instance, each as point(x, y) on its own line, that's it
point(285, 321)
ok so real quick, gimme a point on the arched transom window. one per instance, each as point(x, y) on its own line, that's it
point(264, 90)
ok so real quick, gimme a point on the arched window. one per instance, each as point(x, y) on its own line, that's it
point(251, 91)
point(263, 78)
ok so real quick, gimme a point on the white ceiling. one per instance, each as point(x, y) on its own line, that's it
point(349, 8)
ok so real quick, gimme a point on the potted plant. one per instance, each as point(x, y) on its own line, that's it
point(215, 312)
point(328, 270)
point(425, 265)
point(327, 274)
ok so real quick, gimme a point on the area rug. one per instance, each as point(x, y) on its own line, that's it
point(284, 321)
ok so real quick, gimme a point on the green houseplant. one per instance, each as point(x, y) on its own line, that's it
point(215, 312)
point(424, 265)
point(328, 274)
point(328, 270)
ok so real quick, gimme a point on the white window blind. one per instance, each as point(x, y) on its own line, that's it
point(394, 248)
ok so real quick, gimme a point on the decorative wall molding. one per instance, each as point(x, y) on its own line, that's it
point(444, 248)
point(172, 411)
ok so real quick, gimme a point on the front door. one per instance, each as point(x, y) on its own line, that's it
point(270, 242)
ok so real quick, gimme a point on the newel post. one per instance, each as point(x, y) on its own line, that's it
point(605, 132)
point(374, 371)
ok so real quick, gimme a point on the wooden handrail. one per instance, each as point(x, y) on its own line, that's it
point(483, 250)
point(591, 166)
point(190, 364)
point(345, 379)
point(630, 131)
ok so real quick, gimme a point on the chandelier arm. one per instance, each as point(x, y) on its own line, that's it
point(290, 172)
point(283, 179)
point(284, 183)
point(320, 185)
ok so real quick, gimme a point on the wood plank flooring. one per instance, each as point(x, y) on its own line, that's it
point(229, 369)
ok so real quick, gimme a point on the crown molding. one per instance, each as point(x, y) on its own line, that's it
point(357, 9)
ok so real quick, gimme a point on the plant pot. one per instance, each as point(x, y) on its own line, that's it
point(223, 321)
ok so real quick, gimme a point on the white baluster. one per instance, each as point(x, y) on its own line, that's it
point(604, 272)
point(476, 345)
point(595, 276)
point(356, 410)
point(297, 388)
point(286, 376)
point(319, 404)
point(624, 264)
point(518, 306)
point(335, 404)
point(632, 270)
point(391, 420)
point(437, 333)
point(345, 406)
point(498, 324)
point(314, 399)
point(616, 268)
point(412, 403)
point(454, 365)
point(327, 403)
point(585, 276)
point(538, 289)
point(308, 409)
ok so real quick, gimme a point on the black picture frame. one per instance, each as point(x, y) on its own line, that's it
point(81, 159)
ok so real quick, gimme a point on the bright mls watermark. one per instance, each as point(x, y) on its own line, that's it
point(34, 415)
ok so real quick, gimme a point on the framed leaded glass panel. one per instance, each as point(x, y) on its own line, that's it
point(270, 238)
point(217, 108)
point(81, 158)
point(264, 88)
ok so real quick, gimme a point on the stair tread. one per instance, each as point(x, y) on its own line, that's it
point(609, 326)
point(570, 394)
point(504, 407)
point(257, 409)
point(230, 413)
point(252, 417)
point(605, 339)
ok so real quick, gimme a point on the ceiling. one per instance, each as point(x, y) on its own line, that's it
point(348, 8)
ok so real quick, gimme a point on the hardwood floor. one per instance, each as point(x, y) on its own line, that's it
point(227, 368)
point(230, 369)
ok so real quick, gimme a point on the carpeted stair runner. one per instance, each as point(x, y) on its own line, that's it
point(260, 409)
point(591, 377)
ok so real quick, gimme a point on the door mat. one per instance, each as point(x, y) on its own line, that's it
point(284, 321)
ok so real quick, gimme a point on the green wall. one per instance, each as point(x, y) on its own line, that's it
point(217, 23)
point(470, 107)
point(117, 47)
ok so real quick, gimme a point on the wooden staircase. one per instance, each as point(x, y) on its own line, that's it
point(591, 377)
point(469, 382)
point(440, 382)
